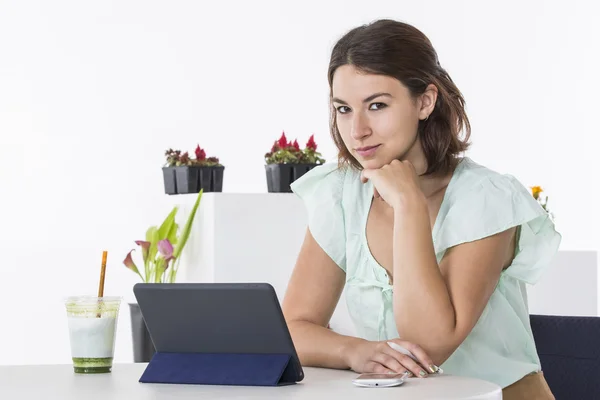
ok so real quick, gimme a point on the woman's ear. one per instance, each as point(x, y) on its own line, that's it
point(427, 102)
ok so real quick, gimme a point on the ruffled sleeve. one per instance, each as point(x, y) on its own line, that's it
point(492, 205)
point(321, 191)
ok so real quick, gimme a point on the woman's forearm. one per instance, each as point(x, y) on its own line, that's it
point(320, 347)
point(423, 308)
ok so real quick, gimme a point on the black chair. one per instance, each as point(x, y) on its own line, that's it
point(569, 350)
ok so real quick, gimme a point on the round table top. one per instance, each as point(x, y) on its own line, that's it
point(60, 382)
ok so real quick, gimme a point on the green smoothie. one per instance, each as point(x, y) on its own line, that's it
point(92, 330)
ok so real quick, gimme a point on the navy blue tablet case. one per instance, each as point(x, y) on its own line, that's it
point(217, 334)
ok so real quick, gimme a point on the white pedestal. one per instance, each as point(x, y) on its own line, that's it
point(244, 238)
point(569, 287)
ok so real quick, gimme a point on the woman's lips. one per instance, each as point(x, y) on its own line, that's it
point(367, 151)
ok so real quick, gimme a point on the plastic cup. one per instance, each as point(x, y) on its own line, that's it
point(92, 331)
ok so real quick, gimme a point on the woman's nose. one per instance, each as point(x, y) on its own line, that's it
point(360, 127)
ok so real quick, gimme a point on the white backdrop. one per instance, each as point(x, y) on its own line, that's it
point(93, 93)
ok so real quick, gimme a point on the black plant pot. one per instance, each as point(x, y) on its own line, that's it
point(169, 180)
point(143, 348)
point(211, 179)
point(280, 176)
point(192, 179)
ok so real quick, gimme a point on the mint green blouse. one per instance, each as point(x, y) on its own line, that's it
point(478, 203)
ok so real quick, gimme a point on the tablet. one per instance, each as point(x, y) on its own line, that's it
point(236, 318)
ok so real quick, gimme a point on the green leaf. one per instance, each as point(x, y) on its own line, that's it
point(187, 228)
point(167, 225)
point(152, 237)
point(172, 235)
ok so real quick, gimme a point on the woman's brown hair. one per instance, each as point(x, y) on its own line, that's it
point(392, 48)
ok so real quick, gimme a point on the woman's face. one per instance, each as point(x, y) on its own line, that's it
point(377, 117)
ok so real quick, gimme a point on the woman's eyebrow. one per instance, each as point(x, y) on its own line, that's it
point(368, 99)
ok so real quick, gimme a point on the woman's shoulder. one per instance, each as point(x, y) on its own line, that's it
point(483, 202)
point(472, 173)
point(476, 182)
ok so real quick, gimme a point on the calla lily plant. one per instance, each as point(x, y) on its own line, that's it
point(162, 248)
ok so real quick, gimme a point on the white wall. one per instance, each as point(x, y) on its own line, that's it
point(92, 93)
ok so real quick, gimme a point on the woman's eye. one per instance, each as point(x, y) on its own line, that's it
point(343, 109)
point(377, 106)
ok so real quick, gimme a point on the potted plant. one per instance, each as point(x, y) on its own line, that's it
point(286, 162)
point(161, 251)
point(183, 174)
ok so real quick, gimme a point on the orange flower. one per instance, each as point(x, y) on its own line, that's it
point(535, 191)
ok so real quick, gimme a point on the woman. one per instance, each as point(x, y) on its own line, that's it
point(433, 249)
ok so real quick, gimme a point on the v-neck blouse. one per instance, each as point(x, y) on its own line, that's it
point(478, 203)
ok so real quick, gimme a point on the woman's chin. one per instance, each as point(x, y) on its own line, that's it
point(371, 163)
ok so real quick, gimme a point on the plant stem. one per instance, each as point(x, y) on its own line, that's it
point(174, 270)
point(146, 270)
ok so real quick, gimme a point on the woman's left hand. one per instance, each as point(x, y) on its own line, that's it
point(396, 183)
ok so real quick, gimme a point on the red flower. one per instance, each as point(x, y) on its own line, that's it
point(311, 143)
point(145, 248)
point(275, 147)
point(295, 145)
point(282, 143)
point(130, 264)
point(200, 153)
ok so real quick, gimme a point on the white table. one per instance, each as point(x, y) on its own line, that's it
point(60, 382)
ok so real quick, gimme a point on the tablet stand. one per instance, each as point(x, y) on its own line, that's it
point(219, 369)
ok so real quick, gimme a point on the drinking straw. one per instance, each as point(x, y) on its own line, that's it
point(102, 274)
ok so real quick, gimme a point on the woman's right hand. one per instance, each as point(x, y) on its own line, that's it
point(379, 357)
